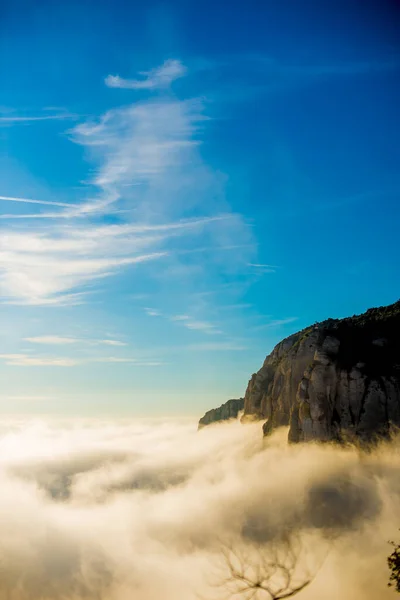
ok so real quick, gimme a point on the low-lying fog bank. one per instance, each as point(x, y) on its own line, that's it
point(144, 510)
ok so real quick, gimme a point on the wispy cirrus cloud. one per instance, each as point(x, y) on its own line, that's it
point(26, 398)
point(51, 340)
point(203, 326)
point(136, 144)
point(149, 177)
point(29, 360)
point(41, 269)
point(160, 77)
point(276, 323)
point(263, 268)
point(34, 201)
point(25, 360)
point(111, 342)
point(13, 119)
point(152, 312)
point(187, 321)
point(217, 347)
point(196, 325)
point(70, 299)
point(58, 340)
point(45, 266)
point(180, 318)
point(133, 361)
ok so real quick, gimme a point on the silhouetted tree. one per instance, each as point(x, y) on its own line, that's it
point(271, 572)
point(393, 561)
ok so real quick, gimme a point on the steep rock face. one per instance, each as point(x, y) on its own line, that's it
point(337, 379)
point(228, 410)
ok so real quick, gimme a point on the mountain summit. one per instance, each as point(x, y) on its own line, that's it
point(335, 380)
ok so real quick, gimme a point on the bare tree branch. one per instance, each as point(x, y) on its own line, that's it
point(275, 571)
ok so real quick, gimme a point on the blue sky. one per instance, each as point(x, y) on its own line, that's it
point(182, 186)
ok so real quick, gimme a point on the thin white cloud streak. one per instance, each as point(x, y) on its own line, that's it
point(238, 306)
point(58, 340)
point(216, 347)
point(20, 217)
point(190, 323)
point(196, 325)
point(160, 77)
point(24, 360)
point(134, 361)
point(203, 326)
point(151, 312)
point(180, 318)
point(51, 340)
point(28, 360)
point(111, 342)
point(73, 299)
point(88, 242)
point(27, 398)
point(262, 269)
point(262, 266)
point(28, 119)
point(187, 321)
point(276, 323)
point(114, 509)
point(32, 201)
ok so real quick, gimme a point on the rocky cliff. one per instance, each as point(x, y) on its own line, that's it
point(334, 380)
point(228, 410)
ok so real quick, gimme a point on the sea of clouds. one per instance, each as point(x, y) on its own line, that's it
point(146, 509)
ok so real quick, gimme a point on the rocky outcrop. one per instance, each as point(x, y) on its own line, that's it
point(335, 380)
point(228, 410)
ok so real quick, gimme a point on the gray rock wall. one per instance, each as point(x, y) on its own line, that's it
point(228, 410)
point(335, 380)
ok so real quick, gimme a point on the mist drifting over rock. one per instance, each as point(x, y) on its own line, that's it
point(228, 410)
point(118, 510)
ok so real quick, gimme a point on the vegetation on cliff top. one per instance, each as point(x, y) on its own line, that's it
point(369, 339)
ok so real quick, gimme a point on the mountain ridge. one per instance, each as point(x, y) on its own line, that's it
point(228, 410)
point(335, 380)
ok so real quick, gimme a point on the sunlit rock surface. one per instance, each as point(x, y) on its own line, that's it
point(335, 380)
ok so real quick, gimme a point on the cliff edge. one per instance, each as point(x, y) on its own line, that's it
point(228, 410)
point(335, 380)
